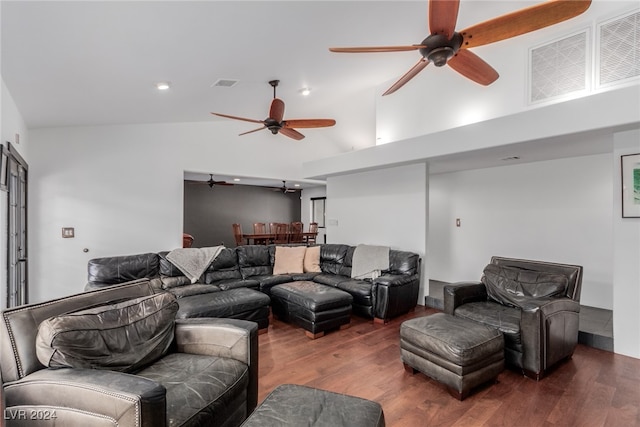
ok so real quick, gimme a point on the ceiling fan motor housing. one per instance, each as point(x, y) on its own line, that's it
point(439, 49)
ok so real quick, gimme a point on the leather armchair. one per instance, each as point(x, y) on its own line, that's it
point(207, 378)
point(539, 331)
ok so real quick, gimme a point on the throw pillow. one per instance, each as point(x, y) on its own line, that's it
point(120, 337)
point(312, 260)
point(513, 286)
point(289, 260)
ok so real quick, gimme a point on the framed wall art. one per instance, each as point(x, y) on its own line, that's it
point(630, 171)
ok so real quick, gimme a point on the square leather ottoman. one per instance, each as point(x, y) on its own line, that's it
point(290, 405)
point(312, 306)
point(459, 353)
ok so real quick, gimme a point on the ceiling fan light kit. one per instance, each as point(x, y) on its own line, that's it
point(445, 46)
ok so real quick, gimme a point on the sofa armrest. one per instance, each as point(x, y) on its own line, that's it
point(231, 338)
point(395, 279)
point(85, 397)
point(549, 332)
point(459, 293)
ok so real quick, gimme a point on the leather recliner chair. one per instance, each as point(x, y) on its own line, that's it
point(206, 374)
point(535, 305)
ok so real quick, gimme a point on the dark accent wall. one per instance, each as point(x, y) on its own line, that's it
point(209, 212)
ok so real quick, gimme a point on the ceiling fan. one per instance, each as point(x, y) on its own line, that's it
point(284, 189)
point(275, 122)
point(446, 46)
point(211, 182)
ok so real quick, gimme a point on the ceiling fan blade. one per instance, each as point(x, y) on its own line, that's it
point(251, 131)
point(291, 133)
point(408, 76)
point(308, 123)
point(522, 21)
point(443, 15)
point(374, 49)
point(276, 112)
point(237, 118)
point(473, 67)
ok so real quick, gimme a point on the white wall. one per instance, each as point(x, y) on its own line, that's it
point(382, 207)
point(121, 187)
point(559, 210)
point(626, 258)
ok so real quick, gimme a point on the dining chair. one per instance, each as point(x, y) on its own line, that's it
point(260, 228)
point(282, 233)
point(313, 228)
point(187, 240)
point(272, 227)
point(237, 233)
point(296, 232)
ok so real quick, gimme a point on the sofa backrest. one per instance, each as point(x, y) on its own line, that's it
point(255, 260)
point(403, 262)
point(224, 267)
point(572, 272)
point(19, 325)
point(120, 269)
point(333, 257)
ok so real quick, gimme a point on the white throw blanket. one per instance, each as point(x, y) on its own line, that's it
point(193, 261)
point(369, 261)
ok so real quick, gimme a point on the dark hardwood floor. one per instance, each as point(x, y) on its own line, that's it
point(594, 388)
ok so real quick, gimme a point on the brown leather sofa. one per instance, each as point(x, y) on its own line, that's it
point(203, 373)
point(535, 304)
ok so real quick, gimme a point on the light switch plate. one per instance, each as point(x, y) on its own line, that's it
point(68, 232)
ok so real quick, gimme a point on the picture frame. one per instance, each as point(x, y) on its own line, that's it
point(4, 167)
point(630, 173)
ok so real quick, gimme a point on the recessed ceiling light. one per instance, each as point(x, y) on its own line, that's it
point(163, 85)
point(305, 91)
point(296, 185)
point(236, 179)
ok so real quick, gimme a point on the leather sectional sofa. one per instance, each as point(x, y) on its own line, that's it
point(222, 289)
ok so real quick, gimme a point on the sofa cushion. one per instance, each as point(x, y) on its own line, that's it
point(332, 257)
point(514, 286)
point(289, 260)
point(255, 260)
point(223, 267)
point(193, 289)
point(311, 262)
point(121, 337)
point(502, 317)
point(201, 390)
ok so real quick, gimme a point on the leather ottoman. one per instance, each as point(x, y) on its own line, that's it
point(312, 306)
point(291, 405)
point(459, 353)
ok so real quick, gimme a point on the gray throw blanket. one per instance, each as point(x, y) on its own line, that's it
point(369, 261)
point(193, 261)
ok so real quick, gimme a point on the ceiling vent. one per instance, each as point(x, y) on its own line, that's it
point(225, 83)
point(558, 69)
point(619, 50)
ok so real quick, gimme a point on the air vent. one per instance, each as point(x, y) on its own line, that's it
point(619, 49)
point(225, 83)
point(559, 68)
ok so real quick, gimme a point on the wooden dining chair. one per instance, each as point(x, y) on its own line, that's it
point(237, 233)
point(282, 234)
point(313, 228)
point(296, 232)
point(187, 240)
point(260, 228)
point(272, 227)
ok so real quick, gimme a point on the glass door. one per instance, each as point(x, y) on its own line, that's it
point(17, 254)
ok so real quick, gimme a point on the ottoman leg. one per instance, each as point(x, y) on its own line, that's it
point(409, 369)
point(313, 336)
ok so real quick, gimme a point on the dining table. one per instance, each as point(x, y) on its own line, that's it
point(266, 238)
